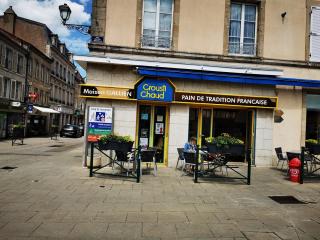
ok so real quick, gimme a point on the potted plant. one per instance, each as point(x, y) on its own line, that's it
point(225, 143)
point(17, 130)
point(115, 142)
point(313, 146)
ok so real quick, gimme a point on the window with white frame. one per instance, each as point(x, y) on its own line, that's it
point(243, 29)
point(8, 59)
point(6, 88)
point(1, 86)
point(13, 89)
point(1, 54)
point(17, 95)
point(157, 23)
point(20, 64)
point(315, 34)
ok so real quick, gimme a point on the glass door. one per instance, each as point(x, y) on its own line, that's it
point(152, 131)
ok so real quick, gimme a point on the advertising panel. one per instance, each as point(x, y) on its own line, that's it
point(99, 122)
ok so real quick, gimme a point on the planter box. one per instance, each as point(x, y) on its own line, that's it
point(117, 146)
point(313, 148)
point(17, 133)
point(234, 149)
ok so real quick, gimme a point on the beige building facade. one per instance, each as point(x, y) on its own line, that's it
point(248, 68)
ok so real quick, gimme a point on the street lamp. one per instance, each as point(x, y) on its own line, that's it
point(65, 13)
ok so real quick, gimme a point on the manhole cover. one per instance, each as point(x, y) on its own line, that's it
point(286, 200)
point(55, 145)
point(8, 168)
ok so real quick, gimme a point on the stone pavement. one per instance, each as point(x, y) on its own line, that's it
point(50, 196)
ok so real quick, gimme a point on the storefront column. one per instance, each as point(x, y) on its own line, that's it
point(178, 131)
point(264, 138)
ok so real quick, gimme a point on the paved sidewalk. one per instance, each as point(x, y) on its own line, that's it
point(50, 196)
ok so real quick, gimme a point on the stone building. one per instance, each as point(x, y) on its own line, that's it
point(79, 103)
point(58, 95)
point(24, 70)
point(249, 68)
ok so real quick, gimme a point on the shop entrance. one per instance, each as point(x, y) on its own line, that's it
point(206, 122)
point(152, 129)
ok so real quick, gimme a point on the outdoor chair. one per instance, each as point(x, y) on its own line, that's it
point(180, 157)
point(190, 159)
point(124, 158)
point(281, 157)
point(149, 156)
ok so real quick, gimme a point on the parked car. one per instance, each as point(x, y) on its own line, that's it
point(70, 130)
point(81, 126)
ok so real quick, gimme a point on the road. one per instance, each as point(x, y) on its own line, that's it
point(50, 196)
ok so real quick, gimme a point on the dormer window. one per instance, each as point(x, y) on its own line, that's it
point(62, 48)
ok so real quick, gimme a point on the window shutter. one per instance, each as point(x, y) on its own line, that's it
point(315, 34)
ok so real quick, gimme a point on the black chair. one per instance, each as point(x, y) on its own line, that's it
point(180, 156)
point(149, 156)
point(281, 157)
point(190, 159)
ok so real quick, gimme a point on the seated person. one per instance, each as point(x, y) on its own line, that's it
point(191, 145)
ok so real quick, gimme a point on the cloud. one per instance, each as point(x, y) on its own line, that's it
point(47, 12)
point(77, 45)
point(84, 2)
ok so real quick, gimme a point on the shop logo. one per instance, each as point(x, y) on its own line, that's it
point(155, 90)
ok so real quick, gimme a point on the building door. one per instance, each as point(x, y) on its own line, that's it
point(152, 129)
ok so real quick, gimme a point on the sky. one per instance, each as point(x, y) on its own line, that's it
point(47, 12)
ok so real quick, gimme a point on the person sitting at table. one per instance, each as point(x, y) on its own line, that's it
point(190, 146)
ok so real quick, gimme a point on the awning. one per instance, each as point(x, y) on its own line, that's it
point(45, 110)
point(171, 64)
point(220, 77)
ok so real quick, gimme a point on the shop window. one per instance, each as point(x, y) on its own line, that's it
point(315, 34)
point(157, 23)
point(193, 122)
point(206, 124)
point(243, 29)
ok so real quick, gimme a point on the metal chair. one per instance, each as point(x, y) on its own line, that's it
point(281, 157)
point(149, 156)
point(180, 157)
point(190, 159)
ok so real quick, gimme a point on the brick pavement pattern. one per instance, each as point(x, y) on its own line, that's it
point(50, 196)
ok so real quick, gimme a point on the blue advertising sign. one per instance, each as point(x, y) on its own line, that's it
point(99, 123)
point(155, 90)
point(30, 108)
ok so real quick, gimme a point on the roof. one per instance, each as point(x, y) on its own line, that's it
point(20, 42)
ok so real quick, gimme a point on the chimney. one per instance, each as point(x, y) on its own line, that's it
point(10, 20)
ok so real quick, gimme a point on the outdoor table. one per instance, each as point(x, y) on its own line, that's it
point(293, 154)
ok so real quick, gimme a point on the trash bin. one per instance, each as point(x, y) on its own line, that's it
point(294, 169)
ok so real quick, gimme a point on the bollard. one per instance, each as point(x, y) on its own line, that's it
point(138, 164)
point(302, 165)
point(249, 166)
point(197, 165)
point(91, 159)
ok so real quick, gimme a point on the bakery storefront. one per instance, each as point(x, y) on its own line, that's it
point(162, 112)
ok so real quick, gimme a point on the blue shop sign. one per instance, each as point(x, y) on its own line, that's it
point(155, 90)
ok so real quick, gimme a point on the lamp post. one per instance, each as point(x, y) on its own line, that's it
point(65, 13)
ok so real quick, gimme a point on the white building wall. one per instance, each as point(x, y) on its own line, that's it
point(178, 131)
point(290, 133)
